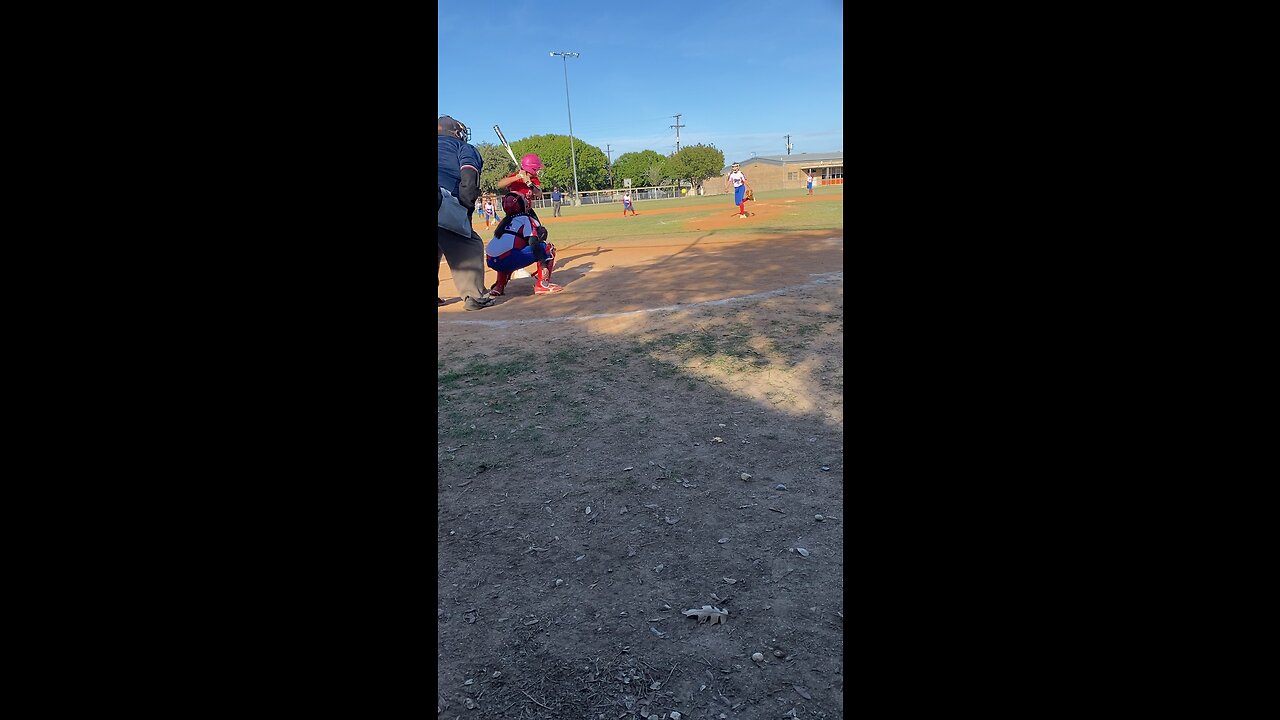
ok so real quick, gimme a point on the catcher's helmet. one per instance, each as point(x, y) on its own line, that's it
point(513, 203)
point(531, 163)
point(448, 126)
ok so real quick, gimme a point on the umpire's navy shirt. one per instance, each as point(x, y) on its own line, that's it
point(455, 155)
point(555, 196)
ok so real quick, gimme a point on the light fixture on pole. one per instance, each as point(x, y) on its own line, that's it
point(573, 157)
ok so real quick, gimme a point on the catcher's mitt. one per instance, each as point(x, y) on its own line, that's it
point(750, 195)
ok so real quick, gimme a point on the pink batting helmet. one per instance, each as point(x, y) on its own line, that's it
point(531, 163)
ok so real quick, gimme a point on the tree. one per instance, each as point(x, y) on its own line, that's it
point(638, 167)
point(497, 165)
point(695, 163)
point(556, 161)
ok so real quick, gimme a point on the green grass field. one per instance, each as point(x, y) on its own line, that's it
point(607, 222)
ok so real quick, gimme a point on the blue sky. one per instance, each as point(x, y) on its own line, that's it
point(743, 74)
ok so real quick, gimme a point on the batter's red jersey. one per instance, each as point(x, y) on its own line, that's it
point(520, 187)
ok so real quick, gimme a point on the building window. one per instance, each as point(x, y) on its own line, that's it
point(837, 172)
point(791, 176)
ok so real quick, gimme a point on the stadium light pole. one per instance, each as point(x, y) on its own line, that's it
point(573, 156)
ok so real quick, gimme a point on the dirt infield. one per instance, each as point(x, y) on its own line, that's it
point(599, 280)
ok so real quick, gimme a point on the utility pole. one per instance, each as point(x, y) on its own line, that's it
point(609, 149)
point(788, 144)
point(573, 156)
point(677, 126)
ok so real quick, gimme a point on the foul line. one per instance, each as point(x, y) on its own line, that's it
point(818, 279)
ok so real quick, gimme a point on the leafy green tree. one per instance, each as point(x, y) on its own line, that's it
point(695, 163)
point(637, 166)
point(497, 165)
point(556, 166)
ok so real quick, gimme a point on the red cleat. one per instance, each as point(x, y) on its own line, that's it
point(543, 285)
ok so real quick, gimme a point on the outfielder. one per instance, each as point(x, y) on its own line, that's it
point(740, 188)
point(520, 241)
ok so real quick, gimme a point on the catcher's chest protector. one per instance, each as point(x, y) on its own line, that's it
point(505, 225)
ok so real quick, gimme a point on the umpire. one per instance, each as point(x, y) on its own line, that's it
point(459, 173)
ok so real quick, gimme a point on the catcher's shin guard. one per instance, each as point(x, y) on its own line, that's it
point(500, 285)
point(543, 252)
point(544, 285)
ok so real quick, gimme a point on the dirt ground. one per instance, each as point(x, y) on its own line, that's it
point(600, 279)
point(591, 452)
point(638, 272)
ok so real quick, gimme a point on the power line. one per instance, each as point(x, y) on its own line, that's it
point(626, 125)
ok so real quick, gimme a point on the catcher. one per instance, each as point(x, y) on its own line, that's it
point(519, 241)
point(741, 189)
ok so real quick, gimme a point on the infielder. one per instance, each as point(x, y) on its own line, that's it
point(520, 241)
point(740, 187)
point(626, 204)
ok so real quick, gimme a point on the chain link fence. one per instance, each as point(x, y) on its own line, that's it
point(606, 197)
point(655, 192)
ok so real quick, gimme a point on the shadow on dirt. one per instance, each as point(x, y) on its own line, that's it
point(564, 277)
point(596, 481)
point(564, 261)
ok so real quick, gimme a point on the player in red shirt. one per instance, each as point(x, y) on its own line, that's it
point(525, 181)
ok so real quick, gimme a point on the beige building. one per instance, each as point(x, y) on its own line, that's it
point(784, 172)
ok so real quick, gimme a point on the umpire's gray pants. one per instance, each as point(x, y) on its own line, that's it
point(466, 260)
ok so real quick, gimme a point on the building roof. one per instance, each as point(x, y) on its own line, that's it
point(807, 159)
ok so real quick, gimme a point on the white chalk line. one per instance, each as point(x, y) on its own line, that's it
point(819, 279)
